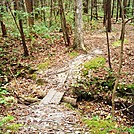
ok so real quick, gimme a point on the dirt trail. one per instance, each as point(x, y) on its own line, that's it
point(56, 119)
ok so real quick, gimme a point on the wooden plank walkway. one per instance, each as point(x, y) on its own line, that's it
point(52, 97)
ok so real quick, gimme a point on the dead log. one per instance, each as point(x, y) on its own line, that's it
point(72, 101)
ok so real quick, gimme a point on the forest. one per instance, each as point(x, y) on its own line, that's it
point(67, 66)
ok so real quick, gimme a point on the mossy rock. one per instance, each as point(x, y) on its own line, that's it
point(95, 63)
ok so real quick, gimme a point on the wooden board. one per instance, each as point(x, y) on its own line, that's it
point(57, 98)
point(52, 97)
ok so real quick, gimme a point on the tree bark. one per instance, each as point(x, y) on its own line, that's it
point(109, 15)
point(120, 61)
point(78, 37)
point(3, 27)
point(85, 6)
point(29, 6)
point(63, 24)
point(20, 27)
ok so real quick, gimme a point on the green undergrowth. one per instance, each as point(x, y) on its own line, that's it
point(73, 54)
point(94, 63)
point(44, 65)
point(118, 43)
point(7, 125)
point(106, 126)
point(88, 88)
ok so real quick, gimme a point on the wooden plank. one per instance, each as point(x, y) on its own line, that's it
point(57, 98)
point(48, 97)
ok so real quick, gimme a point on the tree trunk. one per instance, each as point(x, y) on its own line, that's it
point(125, 6)
point(20, 27)
point(23, 39)
point(132, 10)
point(85, 6)
point(117, 11)
point(105, 12)
point(109, 15)
point(51, 11)
point(113, 8)
point(3, 27)
point(94, 13)
point(120, 61)
point(63, 24)
point(43, 14)
point(29, 6)
point(78, 36)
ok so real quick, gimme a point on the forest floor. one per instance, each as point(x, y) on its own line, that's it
point(58, 119)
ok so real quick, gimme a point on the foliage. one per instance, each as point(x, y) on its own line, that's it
point(44, 66)
point(3, 99)
point(118, 43)
point(7, 126)
point(73, 54)
point(94, 63)
point(101, 126)
point(90, 87)
point(98, 126)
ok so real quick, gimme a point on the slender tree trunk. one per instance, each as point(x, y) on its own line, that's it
point(120, 61)
point(120, 10)
point(96, 9)
point(20, 27)
point(132, 10)
point(113, 8)
point(109, 15)
point(125, 6)
point(3, 27)
point(92, 9)
point(63, 24)
point(108, 49)
point(117, 11)
point(78, 37)
point(51, 11)
point(29, 6)
point(105, 12)
point(85, 6)
point(23, 39)
point(43, 13)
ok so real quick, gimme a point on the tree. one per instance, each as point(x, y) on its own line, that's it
point(20, 26)
point(29, 6)
point(78, 33)
point(109, 15)
point(94, 13)
point(120, 59)
point(3, 27)
point(63, 24)
point(85, 6)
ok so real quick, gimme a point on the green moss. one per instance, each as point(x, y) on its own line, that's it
point(73, 54)
point(95, 63)
point(69, 106)
point(118, 43)
point(100, 126)
point(40, 82)
point(43, 66)
point(34, 76)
